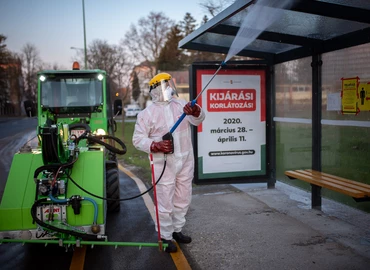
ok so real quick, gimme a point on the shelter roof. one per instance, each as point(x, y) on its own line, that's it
point(304, 28)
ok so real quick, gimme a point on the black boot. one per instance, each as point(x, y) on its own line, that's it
point(171, 246)
point(180, 238)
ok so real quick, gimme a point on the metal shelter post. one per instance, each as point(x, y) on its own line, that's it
point(270, 129)
point(316, 126)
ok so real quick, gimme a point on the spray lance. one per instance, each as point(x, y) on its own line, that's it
point(168, 136)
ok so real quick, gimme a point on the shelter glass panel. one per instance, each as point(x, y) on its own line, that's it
point(346, 135)
point(293, 86)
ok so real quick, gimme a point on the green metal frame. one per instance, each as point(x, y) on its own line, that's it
point(82, 243)
point(88, 172)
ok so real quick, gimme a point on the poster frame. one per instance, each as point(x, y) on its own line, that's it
point(240, 66)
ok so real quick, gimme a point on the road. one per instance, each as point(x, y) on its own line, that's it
point(15, 132)
point(241, 226)
point(133, 223)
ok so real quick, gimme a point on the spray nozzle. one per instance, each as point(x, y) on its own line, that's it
point(223, 63)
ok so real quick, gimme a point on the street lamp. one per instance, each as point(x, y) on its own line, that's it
point(84, 49)
point(83, 12)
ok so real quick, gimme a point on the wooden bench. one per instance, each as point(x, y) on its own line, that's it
point(360, 192)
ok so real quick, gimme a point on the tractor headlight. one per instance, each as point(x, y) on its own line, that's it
point(100, 131)
point(42, 78)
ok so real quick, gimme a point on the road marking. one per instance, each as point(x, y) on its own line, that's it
point(142, 188)
point(178, 257)
point(78, 259)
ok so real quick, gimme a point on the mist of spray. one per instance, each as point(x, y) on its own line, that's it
point(259, 17)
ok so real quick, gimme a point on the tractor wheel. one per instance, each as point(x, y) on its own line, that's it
point(112, 186)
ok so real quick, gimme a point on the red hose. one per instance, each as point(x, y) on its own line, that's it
point(156, 203)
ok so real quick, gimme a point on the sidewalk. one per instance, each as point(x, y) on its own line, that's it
point(247, 226)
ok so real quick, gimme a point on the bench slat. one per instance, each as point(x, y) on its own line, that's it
point(337, 180)
point(340, 178)
point(339, 188)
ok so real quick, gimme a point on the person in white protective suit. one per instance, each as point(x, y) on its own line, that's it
point(174, 190)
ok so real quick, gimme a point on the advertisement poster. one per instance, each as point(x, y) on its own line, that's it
point(363, 94)
point(349, 95)
point(232, 138)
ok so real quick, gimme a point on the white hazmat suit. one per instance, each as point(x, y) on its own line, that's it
point(174, 190)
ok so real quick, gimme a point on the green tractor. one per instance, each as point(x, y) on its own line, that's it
point(60, 192)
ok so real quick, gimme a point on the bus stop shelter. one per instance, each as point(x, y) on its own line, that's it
point(312, 32)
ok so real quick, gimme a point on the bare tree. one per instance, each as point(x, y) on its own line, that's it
point(31, 64)
point(188, 24)
point(213, 7)
point(146, 40)
point(135, 86)
point(11, 87)
point(15, 82)
point(204, 20)
point(171, 57)
point(4, 82)
point(112, 59)
point(54, 66)
point(3, 49)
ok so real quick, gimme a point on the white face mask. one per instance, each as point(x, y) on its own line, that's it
point(159, 95)
point(168, 93)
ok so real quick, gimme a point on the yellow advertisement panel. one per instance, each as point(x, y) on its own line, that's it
point(349, 95)
point(363, 94)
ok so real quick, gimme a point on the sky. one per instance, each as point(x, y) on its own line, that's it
point(54, 26)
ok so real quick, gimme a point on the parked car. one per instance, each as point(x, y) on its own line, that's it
point(132, 112)
point(131, 106)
